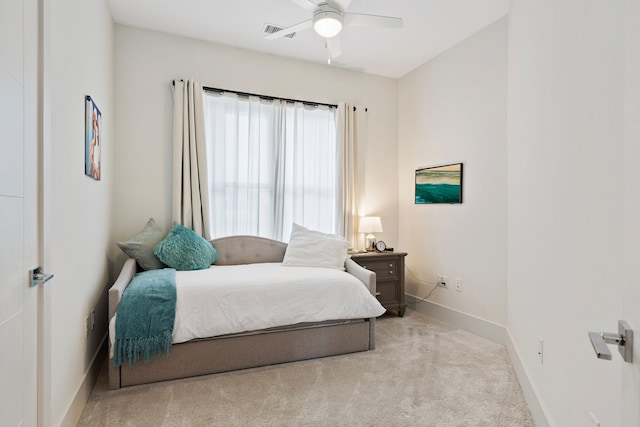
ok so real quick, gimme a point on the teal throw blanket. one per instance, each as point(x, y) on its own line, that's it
point(145, 318)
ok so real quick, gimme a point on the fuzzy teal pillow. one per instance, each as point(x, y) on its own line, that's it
point(183, 249)
point(141, 246)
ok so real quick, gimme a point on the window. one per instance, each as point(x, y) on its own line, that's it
point(270, 163)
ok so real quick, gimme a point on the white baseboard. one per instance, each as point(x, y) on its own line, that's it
point(485, 328)
point(494, 332)
point(537, 410)
point(84, 391)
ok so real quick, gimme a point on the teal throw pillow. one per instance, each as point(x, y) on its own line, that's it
point(183, 249)
point(142, 244)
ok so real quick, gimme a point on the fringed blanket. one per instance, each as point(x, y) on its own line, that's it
point(146, 314)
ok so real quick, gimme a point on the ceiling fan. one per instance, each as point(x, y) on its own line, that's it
point(328, 19)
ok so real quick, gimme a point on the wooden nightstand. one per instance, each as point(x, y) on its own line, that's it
point(389, 269)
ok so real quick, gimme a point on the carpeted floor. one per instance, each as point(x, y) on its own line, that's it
point(422, 373)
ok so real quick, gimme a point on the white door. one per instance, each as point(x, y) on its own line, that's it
point(631, 273)
point(18, 212)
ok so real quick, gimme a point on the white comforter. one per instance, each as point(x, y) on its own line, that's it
point(231, 299)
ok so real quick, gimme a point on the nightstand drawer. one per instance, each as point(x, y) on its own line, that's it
point(383, 269)
point(387, 291)
point(389, 269)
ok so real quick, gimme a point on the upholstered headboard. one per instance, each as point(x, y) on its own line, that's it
point(234, 250)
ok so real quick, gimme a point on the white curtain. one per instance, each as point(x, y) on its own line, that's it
point(190, 178)
point(272, 163)
point(351, 135)
point(310, 165)
point(242, 163)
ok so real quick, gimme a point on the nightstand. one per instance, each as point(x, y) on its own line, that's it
point(389, 269)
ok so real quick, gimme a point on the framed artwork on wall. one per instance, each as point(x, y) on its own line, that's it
point(92, 139)
point(439, 184)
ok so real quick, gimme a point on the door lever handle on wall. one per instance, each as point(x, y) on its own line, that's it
point(38, 277)
point(624, 340)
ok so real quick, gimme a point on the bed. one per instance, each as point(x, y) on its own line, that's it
point(247, 349)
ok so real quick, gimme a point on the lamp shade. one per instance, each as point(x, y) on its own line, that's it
point(370, 224)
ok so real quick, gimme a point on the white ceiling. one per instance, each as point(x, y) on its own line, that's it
point(430, 27)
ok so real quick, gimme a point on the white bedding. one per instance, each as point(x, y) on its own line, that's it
point(238, 298)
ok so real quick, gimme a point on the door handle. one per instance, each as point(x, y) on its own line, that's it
point(38, 277)
point(623, 339)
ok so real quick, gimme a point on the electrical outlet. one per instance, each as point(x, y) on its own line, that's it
point(93, 318)
point(458, 284)
point(540, 350)
point(593, 421)
point(443, 280)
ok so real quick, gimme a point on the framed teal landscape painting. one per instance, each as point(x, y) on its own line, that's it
point(439, 184)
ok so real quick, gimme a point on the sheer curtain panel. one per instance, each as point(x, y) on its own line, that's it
point(190, 206)
point(308, 194)
point(242, 159)
point(272, 163)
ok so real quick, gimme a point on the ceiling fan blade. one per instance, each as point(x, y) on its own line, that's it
point(344, 4)
point(307, 5)
point(362, 20)
point(289, 30)
point(335, 46)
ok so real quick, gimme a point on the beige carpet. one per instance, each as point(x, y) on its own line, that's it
point(422, 373)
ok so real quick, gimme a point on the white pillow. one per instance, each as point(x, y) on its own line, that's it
point(308, 248)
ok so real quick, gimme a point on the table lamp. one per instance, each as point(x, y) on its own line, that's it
point(370, 225)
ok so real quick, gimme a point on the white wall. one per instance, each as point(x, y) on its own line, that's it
point(565, 198)
point(453, 109)
point(146, 64)
point(81, 53)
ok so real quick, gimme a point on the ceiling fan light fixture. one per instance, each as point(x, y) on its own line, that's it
point(327, 23)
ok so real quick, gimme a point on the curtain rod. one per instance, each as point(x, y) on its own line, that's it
point(213, 89)
point(270, 98)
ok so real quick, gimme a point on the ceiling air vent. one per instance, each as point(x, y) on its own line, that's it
point(270, 29)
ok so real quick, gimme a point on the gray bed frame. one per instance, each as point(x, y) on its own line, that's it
point(246, 350)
